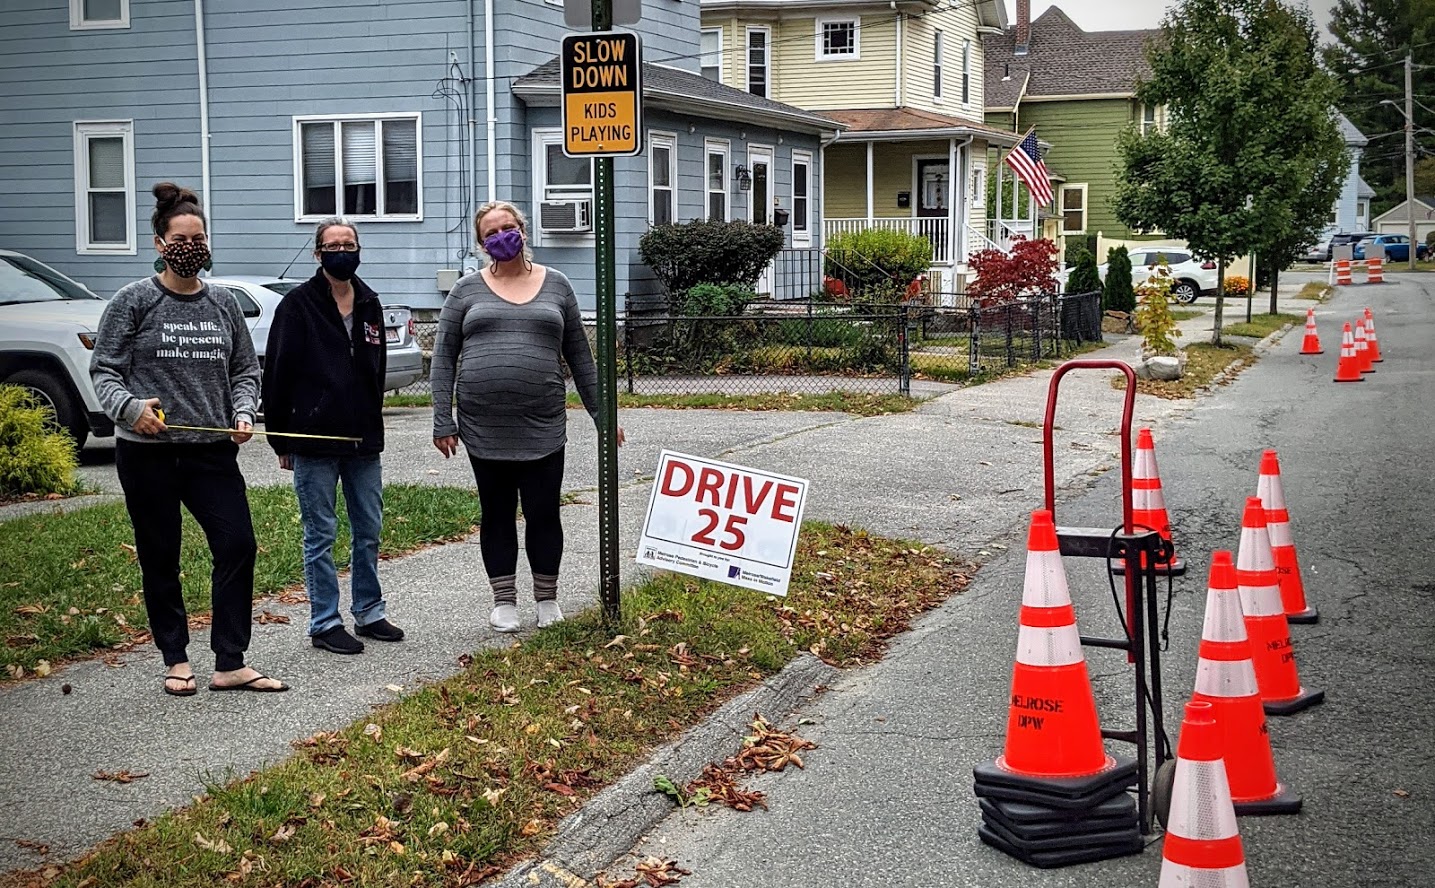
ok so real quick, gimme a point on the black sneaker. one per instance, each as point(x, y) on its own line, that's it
point(338, 641)
point(381, 629)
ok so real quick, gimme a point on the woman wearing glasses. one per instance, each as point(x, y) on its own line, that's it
point(324, 375)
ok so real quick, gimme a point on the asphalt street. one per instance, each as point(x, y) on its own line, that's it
point(886, 799)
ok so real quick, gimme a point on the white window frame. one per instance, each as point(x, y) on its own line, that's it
point(979, 185)
point(658, 139)
point(820, 50)
point(1158, 118)
point(542, 138)
point(298, 134)
point(803, 238)
point(722, 147)
point(702, 57)
point(105, 129)
point(967, 72)
point(1085, 207)
point(938, 52)
point(78, 23)
point(767, 60)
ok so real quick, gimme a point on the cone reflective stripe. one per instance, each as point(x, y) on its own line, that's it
point(1311, 344)
point(1348, 370)
point(1202, 848)
point(1271, 647)
point(1052, 729)
point(1362, 348)
point(1226, 678)
point(1370, 341)
point(1148, 501)
point(1283, 551)
point(1374, 270)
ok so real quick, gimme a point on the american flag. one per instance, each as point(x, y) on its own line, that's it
point(1025, 161)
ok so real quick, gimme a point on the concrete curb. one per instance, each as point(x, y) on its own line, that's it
point(1265, 344)
point(54, 507)
point(610, 824)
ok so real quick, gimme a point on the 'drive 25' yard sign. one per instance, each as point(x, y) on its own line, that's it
point(723, 522)
point(602, 94)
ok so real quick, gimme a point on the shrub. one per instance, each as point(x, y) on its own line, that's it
point(1153, 313)
point(1117, 294)
point(700, 252)
point(36, 455)
point(715, 300)
point(1084, 278)
point(1236, 285)
point(1002, 277)
point(877, 264)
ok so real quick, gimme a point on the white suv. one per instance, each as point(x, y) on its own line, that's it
point(1193, 277)
point(47, 330)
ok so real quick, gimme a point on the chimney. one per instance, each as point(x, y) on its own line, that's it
point(1023, 26)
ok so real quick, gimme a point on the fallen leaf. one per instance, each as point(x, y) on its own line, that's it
point(405, 752)
point(560, 789)
point(267, 618)
point(1403, 793)
point(374, 732)
point(42, 668)
point(283, 834)
point(438, 829)
point(397, 689)
point(37, 847)
point(492, 796)
point(397, 848)
point(532, 827)
point(218, 847)
point(316, 800)
point(28, 610)
point(414, 774)
point(658, 872)
point(125, 776)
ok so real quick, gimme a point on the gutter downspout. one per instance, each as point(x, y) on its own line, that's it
point(491, 103)
point(202, 58)
point(897, 88)
point(957, 204)
point(822, 144)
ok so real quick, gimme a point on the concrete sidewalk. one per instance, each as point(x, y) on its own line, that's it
point(960, 471)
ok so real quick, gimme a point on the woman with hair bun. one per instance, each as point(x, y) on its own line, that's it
point(170, 347)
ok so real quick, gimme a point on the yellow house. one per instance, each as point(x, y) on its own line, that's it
point(905, 77)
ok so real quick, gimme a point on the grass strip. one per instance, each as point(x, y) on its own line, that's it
point(1261, 325)
point(1204, 363)
point(454, 783)
point(70, 584)
point(1316, 291)
point(857, 403)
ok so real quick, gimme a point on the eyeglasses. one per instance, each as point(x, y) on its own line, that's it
point(346, 247)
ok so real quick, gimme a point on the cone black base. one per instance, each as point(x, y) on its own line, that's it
point(1308, 617)
point(1051, 822)
point(1072, 793)
point(1064, 857)
point(1039, 822)
point(1283, 802)
point(1304, 700)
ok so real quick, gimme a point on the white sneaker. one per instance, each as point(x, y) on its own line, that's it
point(504, 618)
point(548, 614)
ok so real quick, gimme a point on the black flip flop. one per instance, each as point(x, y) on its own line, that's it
point(187, 691)
point(251, 686)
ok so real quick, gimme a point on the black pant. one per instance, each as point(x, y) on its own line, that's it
point(500, 485)
point(157, 479)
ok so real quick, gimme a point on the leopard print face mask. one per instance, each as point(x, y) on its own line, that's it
point(186, 258)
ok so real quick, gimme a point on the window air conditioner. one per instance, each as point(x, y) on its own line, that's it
point(565, 215)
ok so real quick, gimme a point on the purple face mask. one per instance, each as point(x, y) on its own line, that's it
point(504, 245)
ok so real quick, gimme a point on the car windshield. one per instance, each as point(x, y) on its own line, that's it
point(22, 279)
point(281, 287)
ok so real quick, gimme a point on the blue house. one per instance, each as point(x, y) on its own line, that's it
point(404, 115)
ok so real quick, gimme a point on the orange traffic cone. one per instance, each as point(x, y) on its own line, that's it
point(1052, 729)
point(1148, 504)
point(1374, 270)
point(1202, 845)
point(1342, 272)
point(1226, 678)
point(1271, 648)
point(1348, 370)
point(1370, 340)
point(1362, 348)
point(1311, 344)
point(1273, 497)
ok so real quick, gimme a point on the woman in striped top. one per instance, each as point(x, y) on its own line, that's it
point(503, 337)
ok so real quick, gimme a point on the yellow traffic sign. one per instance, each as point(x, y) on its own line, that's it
point(602, 95)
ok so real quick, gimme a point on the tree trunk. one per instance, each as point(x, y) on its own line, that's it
point(1220, 300)
point(1275, 282)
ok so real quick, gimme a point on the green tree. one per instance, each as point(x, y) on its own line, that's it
point(1083, 276)
point(1223, 175)
point(1371, 40)
point(1117, 294)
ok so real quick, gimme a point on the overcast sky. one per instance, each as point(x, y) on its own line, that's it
point(1113, 15)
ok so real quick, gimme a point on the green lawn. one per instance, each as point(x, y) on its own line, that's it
point(1261, 325)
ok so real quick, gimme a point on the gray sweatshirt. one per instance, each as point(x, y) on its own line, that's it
point(192, 352)
point(505, 363)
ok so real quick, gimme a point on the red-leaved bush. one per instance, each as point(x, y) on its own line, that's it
point(1000, 277)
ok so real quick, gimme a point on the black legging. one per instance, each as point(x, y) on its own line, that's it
point(500, 485)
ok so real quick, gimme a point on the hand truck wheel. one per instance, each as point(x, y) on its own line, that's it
point(1162, 785)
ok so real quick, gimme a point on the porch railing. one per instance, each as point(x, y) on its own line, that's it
point(933, 228)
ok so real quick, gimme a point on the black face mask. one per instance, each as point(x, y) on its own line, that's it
point(340, 266)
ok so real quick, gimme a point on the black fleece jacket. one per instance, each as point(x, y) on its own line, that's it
point(319, 379)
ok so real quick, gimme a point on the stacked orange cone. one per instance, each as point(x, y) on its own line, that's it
point(1362, 348)
point(1273, 497)
point(1311, 344)
point(1370, 340)
point(1226, 678)
point(1348, 370)
point(1271, 647)
point(1342, 272)
point(1202, 846)
point(1148, 501)
point(1375, 270)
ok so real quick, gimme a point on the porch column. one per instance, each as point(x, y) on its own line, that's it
point(870, 217)
point(956, 214)
point(996, 234)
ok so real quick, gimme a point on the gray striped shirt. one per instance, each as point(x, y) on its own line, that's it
point(504, 361)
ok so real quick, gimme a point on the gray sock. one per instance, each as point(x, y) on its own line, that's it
point(545, 587)
point(505, 590)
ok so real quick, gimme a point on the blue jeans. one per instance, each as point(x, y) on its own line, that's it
point(315, 481)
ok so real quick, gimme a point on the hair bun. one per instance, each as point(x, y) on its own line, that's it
point(168, 194)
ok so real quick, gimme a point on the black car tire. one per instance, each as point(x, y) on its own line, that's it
point(1185, 292)
point(56, 394)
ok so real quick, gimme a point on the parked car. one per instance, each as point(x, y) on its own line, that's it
point(47, 331)
point(258, 297)
point(1193, 277)
point(1318, 252)
point(1397, 247)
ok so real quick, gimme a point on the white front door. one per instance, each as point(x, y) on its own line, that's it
point(760, 201)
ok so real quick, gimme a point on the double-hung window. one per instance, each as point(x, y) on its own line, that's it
point(717, 151)
point(562, 188)
point(88, 15)
point(758, 40)
point(711, 56)
point(105, 187)
point(937, 66)
point(837, 39)
point(363, 166)
point(801, 198)
point(662, 176)
point(966, 72)
point(1073, 209)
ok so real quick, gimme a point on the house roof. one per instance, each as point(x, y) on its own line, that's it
point(1397, 212)
point(1353, 137)
point(890, 124)
point(679, 90)
point(1364, 189)
point(990, 13)
point(1063, 61)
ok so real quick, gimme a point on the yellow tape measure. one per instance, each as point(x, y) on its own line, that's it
point(183, 428)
